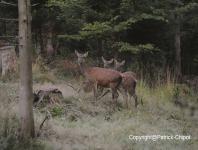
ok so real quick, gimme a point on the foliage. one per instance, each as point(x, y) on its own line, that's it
point(126, 47)
point(115, 28)
point(95, 30)
point(57, 111)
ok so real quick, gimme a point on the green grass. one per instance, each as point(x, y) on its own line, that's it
point(79, 123)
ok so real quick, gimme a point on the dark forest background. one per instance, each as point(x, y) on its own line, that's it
point(151, 35)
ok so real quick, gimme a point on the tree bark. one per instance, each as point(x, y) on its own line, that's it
point(25, 52)
point(49, 46)
point(178, 50)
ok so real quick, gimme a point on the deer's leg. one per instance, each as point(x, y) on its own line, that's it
point(114, 96)
point(126, 98)
point(95, 93)
point(134, 96)
point(124, 95)
point(95, 89)
point(100, 91)
point(114, 88)
point(133, 93)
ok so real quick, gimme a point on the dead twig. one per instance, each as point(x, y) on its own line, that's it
point(39, 101)
point(75, 89)
point(7, 3)
point(42, 94)
point(47, 117)
point(9, 19)
point(14, 4)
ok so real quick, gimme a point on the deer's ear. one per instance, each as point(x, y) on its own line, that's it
point(86, 54)
point(115, 61)
point(111, 60)
point(76, 52)
point(103, 59)
point(123, 62)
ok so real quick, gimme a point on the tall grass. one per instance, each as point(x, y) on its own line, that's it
point(41, 73)
point(9, 124)
point(84, 124)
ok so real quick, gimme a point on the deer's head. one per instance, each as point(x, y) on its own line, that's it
point(118, 65)
point(81, 57)
point(107, 63)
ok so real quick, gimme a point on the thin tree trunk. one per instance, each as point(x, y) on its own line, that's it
point(5, 28)
point(41, 41)
point(178, 50)
point(25, 48)
point(49, 46)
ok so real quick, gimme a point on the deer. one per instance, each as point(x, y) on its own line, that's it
point(100, 77)
point(107, 63)
point(118, 65)
point(128, 84)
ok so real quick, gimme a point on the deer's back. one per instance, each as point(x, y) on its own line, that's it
point(128, 81)
point(130, 73)
point(103, 76)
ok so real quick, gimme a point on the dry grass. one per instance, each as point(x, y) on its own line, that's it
point(84, 124)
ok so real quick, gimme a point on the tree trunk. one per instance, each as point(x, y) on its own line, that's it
point(178, 50)
point(49, 46)
point(25, 52)
point(41, 41)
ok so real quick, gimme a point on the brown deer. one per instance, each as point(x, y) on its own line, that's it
point(128, 84)
point(100, 77)
point(107, 63)
point(128, 87)
point(118, 65)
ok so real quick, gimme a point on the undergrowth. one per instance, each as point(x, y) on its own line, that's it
point(9, 124)
point(78, 122)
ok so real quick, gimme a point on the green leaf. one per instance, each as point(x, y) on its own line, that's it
point(95, 30)
point(70, 37)
point(127, 47)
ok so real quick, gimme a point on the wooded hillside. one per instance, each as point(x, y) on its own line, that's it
point(147, 34)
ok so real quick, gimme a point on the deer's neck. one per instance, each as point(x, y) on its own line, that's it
point(82, 68)
point(85, 70)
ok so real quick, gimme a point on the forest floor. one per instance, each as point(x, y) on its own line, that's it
point(84, 124)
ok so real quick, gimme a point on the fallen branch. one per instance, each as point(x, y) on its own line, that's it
point(13, 4)
point(48, 94)
point(47, 117)
point(9, 36)
point(104, 94)
point(9, 19)
point(7, 3)
point(75, 89)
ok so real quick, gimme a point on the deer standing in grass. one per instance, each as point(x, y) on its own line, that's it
point(119, 65)
point(100, 77)
point(128, 84)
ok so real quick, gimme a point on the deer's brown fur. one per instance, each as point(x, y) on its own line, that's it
point(128, 84)
point(128, 87)
point(100, 77)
